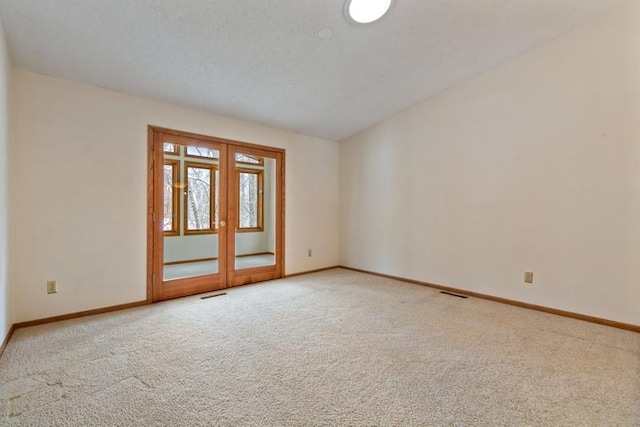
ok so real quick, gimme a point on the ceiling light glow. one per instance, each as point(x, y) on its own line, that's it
point(366, 11)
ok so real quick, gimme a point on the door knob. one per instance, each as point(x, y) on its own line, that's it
point(222, 223)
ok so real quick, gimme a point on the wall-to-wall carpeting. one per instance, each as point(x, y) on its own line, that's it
point(331, 348)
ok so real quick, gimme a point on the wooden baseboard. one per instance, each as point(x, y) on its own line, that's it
point(6, 340)
point(256, 254)
point(108, 310)
point(80, 314)
point(311, 271)
point(584, 317)
point(189, 261)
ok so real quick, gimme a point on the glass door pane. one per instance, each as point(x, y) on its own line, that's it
point(255, 202)
point(191, 204)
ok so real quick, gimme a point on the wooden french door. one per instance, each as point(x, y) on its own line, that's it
point(255, 244)
point(215, 214)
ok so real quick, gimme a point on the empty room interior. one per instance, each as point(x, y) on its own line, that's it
point(337, 212)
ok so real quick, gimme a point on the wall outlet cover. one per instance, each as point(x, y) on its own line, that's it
point(52, 286)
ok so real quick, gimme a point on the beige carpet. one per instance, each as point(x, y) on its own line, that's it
point(333, 348)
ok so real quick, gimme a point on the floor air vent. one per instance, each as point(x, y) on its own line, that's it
point(453, 295)
point(213, 296)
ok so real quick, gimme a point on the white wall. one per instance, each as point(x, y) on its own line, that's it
point(532, 166)
point(200, 246)
point(79, 173)
point(5, 298)
point(180, 248)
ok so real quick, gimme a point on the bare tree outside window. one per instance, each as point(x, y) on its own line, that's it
point(194, 198)
point(203, 152)
point(191, 192)
point(170, 148)
point(249, 183)
point(169, 224)
point(251, 160)
point(199, 198)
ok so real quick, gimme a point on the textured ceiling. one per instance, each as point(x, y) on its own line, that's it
point(266, 62)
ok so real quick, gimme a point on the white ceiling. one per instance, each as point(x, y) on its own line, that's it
point(264, 60)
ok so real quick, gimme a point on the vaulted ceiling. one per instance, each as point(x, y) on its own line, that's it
point(292, 64)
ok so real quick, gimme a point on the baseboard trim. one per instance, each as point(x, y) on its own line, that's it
point(112, 308)
point(189, 261)
point(80, 314)
point(255, 254)
point(584, 317)
point(6, 340)
point(303, 273)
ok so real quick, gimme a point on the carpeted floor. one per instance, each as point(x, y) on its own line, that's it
point(332, 348)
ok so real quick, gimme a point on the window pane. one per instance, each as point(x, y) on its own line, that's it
point(170, 148)
point(202, 152)
point(199, 198)
point(243, 158)
point(168, 198)
point(248, 189)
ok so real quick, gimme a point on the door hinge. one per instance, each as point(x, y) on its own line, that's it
point(153, 216)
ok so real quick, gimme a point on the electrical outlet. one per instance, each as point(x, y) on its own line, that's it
point(52, 286)
point(528, 277)
point(309, 252)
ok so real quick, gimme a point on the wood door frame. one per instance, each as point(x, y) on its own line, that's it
point(153, 250)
